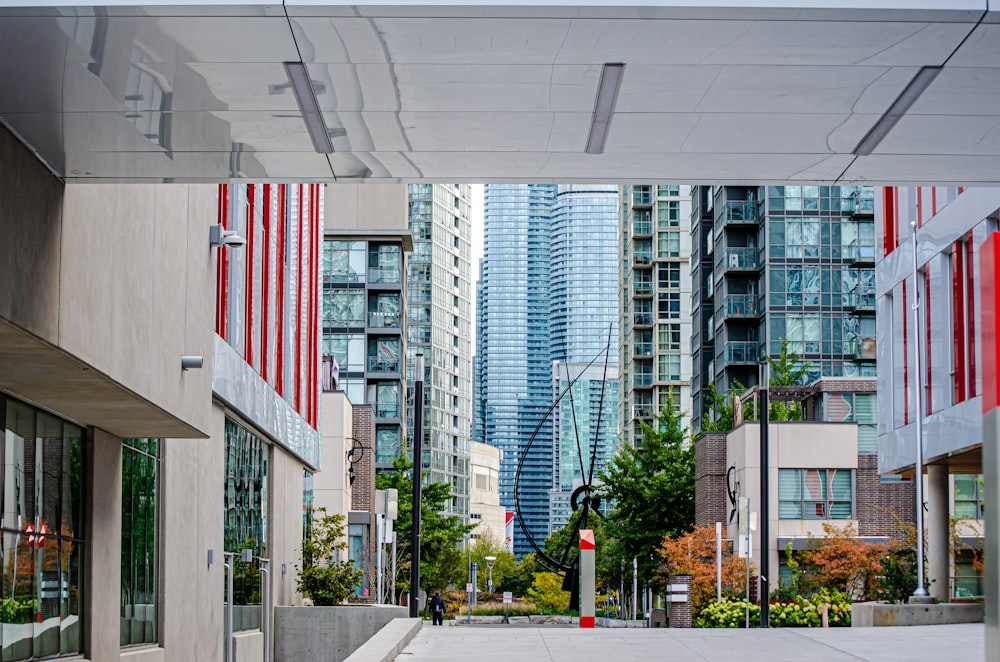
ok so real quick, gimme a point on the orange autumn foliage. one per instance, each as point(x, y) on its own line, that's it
point(693, 554)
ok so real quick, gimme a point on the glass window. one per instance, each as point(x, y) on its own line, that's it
point(968, 496)
point(307, 504)
point(245, 517)
point(42, 491)
point(815, 494)
point(344, 308)
point(140, 553)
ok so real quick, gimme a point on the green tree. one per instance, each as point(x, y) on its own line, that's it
point(519, 581)
point(719, 414)
point(441, 561)
point(787, 369)
point(652, 489)
point(504, 565)
point(321, 577)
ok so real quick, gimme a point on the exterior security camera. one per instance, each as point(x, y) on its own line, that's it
point(219, 236)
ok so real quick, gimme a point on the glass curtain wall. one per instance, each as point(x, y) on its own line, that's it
point(42, 533)
point(140, 553)
point(246, 507)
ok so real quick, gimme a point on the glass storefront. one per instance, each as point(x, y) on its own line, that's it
point(42, 533)
point(140, 527)
point(246, 505)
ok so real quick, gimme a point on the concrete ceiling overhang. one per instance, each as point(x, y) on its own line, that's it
point(779, 91)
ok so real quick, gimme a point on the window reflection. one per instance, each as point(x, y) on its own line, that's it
point(41, 543)
point(140, 472)
point(246, 502)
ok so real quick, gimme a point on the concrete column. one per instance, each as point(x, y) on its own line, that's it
point(991, 516)
point(938, 533)
point(102, 567)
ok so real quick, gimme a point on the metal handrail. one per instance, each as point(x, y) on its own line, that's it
point(230, 589)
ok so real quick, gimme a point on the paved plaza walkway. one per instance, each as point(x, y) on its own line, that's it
point(946, 643)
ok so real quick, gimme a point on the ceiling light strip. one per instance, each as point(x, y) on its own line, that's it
point(305, 96)
point(917, 86)
point(604, 106)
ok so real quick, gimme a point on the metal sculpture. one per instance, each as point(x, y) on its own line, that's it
point(586, 498)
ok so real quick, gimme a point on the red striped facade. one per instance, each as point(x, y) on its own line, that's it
point(267, 292)
point(950, 298)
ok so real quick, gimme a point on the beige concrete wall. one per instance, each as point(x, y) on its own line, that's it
point(102, 597)
point(366, 207)
point(790, 446)
point(331, 487)
point(285, 522)
point(484, 491)
point(104, 287)
point(191, 484)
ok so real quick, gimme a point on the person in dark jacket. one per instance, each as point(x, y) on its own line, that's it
point(437, 608)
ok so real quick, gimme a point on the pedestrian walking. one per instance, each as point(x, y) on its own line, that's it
point(437, 608)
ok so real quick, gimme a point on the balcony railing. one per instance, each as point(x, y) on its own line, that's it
point(642, 289)
point(643, 379)
point(643, 349)
point(384, 275)
point(739, 259)
point(862, 349)
point(642, 410)
point(739, 211)
point(382, 365)
point(860, 203)
point(379, 320)
point(741, 351)
point(642, 228)
point(859, 253)
point(387, 410)
point(861, 298)
point(642, 259)
point(642, 319)
point(737, 305)
point(642, 196)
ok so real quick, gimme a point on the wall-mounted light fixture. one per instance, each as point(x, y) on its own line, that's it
point(192, 362)
point(916, 87)
point(604, 106)
point(219, 236)
point(305, 96)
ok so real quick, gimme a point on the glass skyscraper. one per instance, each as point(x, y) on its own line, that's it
point(515, 381)
point(439, 325)
point(583, 327)
point(547, 307)
point(776, 262)
point(655, 290)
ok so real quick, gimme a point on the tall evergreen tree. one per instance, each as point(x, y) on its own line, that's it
point(652, 489)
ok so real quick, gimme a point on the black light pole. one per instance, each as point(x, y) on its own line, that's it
point(764, 593)
point(418, 463)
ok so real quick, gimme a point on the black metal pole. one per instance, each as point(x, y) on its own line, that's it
point(418, 463)
point(765, 592)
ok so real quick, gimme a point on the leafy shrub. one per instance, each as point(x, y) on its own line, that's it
point(807, 612)
point(693, 554)
point(727, 613)
point(18, 610)
point(547, 594)
point(321, 577)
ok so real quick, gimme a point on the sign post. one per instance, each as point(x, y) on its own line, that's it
point(507, 599)
point(588, 609)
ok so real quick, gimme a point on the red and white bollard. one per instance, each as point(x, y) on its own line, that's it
point(587, 579)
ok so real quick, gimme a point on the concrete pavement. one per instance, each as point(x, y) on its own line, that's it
point(563, 644)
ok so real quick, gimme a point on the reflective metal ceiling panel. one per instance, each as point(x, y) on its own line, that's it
point(189, 92)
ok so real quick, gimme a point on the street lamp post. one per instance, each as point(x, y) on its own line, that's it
point(920, 595)
point(418, 465)
point(490, 560)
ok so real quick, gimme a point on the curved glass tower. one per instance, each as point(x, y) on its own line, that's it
point(583, 325)
point(515, 378)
